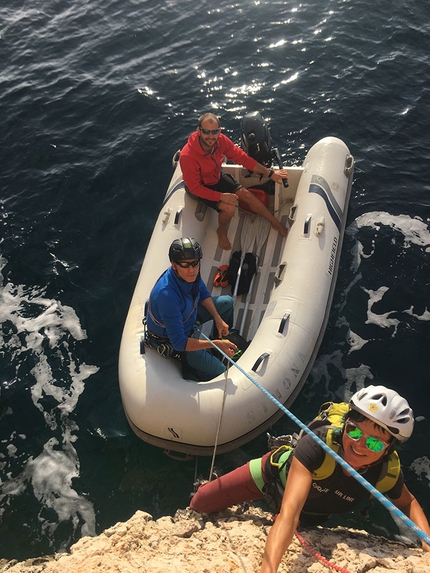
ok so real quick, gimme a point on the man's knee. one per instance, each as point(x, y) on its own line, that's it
point(246, 196)
point(227, 209)
point(223, 302)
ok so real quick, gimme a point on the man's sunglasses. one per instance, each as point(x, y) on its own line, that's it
point(187, 264)
point(373, 444)
point(208, 131)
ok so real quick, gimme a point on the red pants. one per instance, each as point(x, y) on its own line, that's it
point(235, 487)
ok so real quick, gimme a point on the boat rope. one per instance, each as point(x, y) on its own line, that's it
point(395, 511)
point(196, 469)
point(318, 556)
point(219, 422)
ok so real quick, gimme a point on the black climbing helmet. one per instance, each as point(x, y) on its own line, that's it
point(185, 249)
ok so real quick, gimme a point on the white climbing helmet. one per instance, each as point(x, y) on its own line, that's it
point(387, 409)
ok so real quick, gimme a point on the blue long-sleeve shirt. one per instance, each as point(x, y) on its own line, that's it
point(172, 302)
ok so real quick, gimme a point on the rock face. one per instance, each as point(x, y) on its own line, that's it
point(233, 542)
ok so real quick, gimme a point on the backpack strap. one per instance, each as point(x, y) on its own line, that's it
point(327, 467)
point(389, 473)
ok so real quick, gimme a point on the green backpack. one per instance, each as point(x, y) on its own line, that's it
point(330, 414)
point(333, 414)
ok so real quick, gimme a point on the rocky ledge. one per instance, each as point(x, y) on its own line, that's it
point(232, 542)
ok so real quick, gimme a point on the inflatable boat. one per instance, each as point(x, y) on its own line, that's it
point(283, 316)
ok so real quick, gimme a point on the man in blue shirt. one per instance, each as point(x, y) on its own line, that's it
point(180, 298)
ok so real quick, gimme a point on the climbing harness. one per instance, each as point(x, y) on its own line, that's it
point(161, 344)
point(378, 495)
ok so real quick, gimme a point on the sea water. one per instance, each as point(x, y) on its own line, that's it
point(96, 97)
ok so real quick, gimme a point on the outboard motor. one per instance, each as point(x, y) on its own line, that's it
point(257, 143)
point(256, 140)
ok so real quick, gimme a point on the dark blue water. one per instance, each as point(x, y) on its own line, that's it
point(95, 98)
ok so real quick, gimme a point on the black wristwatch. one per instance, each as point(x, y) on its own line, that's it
point(271, 172)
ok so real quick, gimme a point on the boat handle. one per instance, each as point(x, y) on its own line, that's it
point(178, 216)
point(319, 229)
point(175, 159)
point(284, 321)
point(166, 216)
point(279, 275)
point(349, 165)
point(307, 224)
point(178, 456)
point(259, 361)
point(292, 213)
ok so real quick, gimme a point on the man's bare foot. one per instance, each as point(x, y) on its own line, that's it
point(224, 243)
point(280, 228)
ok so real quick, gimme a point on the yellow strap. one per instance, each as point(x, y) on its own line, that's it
point(327, 467)
point(391, 475)
point(283, 448)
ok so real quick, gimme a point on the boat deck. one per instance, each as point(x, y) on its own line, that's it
point(265, 242)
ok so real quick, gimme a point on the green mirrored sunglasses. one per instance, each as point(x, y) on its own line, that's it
point(373, 444)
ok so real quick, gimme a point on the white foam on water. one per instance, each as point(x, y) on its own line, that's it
point(421, 466)
point(414, 231)
point(355, 378)
point(381, 320)
point(355, 341)
point(425, 316)
point(48, 330)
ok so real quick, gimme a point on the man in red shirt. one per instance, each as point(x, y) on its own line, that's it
point(201, 160)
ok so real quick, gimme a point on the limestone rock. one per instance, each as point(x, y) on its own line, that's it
point(230, 542)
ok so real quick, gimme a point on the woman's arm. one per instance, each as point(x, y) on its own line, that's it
point(297, 488)
point(412, 509)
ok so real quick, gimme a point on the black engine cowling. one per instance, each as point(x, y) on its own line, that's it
point(256, 140)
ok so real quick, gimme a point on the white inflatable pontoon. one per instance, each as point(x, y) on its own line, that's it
point(284, 316)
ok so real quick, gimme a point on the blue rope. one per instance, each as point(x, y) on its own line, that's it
point(377, 494)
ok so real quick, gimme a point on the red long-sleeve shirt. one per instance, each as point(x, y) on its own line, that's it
point(200, 168)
